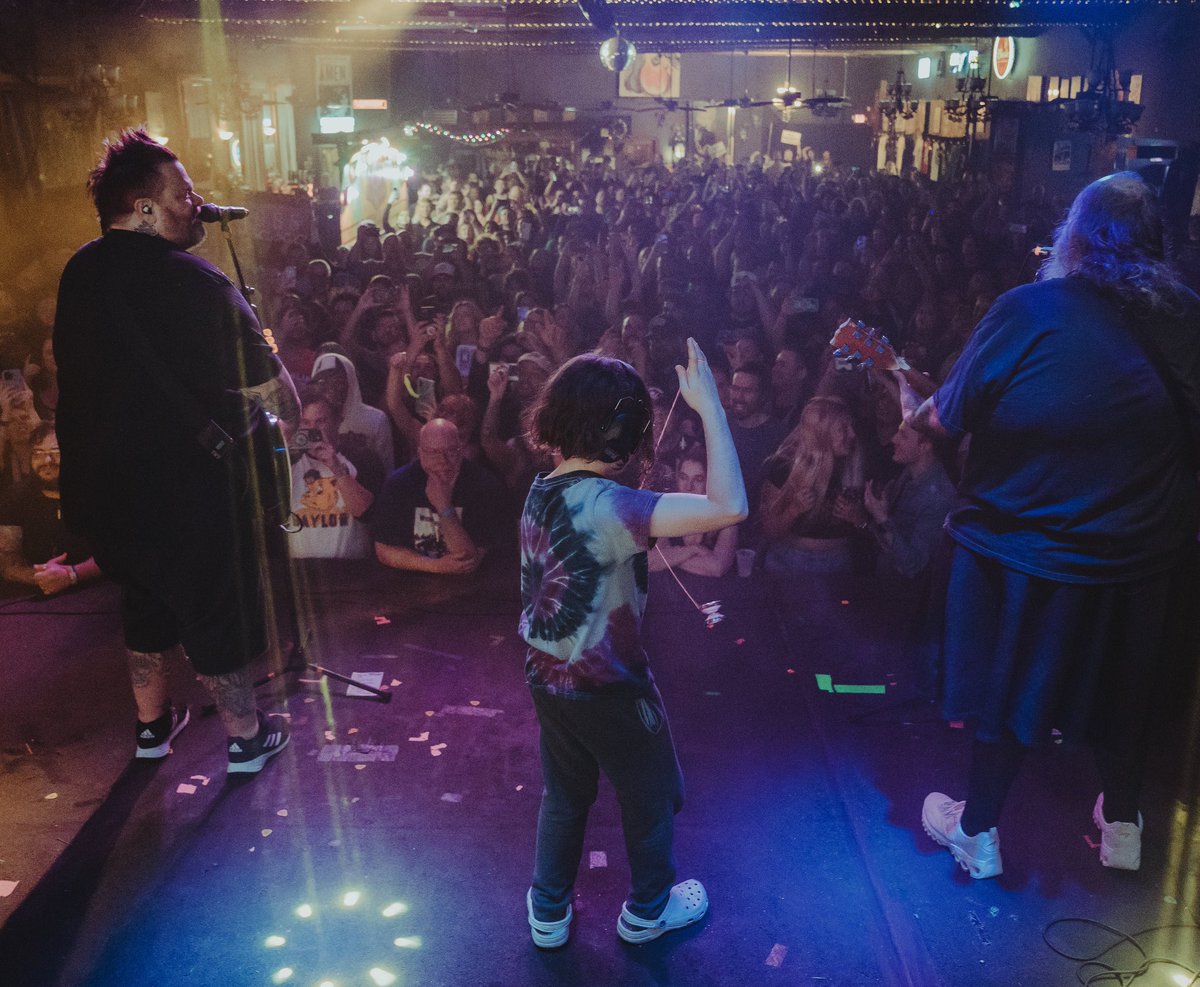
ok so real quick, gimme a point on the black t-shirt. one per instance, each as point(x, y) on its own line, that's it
point(403, 516)
point(43, 534)
point(130, 453)
point(1079, 468)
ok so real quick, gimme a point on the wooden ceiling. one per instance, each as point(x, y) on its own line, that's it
point(662, 25)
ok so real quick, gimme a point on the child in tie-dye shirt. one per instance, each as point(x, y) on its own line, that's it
point(584, 539)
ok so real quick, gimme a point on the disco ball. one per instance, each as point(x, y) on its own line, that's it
point(616, 53)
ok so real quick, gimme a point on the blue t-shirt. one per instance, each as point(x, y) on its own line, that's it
point(1079, 467)
point(584, 579)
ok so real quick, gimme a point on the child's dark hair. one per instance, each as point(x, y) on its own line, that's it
point(580, 399)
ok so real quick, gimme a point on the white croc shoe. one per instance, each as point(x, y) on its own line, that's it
point(547, 935)
point(686, 906)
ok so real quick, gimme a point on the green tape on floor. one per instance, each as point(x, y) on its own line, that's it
point(825, 682)
point(861, 690)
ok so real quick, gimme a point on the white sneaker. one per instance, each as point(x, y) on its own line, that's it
point(1120, 842)
point(978, 855)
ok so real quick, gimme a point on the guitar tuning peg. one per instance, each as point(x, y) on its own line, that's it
point(886, 340)
point(842, 352)
point(867, 364)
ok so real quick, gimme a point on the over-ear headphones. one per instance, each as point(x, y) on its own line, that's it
point(147, 209)
point(624, 429)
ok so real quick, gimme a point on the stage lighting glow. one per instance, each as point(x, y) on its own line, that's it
point(924, 67)
point(225, 135)
point(1183, 979)
point(343, 915)
point(817, 169)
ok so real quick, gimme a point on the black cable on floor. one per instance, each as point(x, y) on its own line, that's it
point(1124, 976)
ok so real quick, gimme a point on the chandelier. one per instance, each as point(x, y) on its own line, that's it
point(899, 102)
point(971, 102)
point(1104, 106)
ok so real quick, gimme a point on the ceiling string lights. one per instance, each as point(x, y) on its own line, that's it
point(478, 139)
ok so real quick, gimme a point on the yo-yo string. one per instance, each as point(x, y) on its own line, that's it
point(671, 570)
point(667, 421)
point(712, 611)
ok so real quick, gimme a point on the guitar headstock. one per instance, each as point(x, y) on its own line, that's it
point(865, 347)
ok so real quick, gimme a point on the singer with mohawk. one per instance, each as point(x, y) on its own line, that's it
point(151, 341)
point(584, 538)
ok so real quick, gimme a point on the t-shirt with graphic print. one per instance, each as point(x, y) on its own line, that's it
point(584, 579)
point(327, 528)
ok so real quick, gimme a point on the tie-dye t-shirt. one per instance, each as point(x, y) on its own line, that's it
point(583, 583)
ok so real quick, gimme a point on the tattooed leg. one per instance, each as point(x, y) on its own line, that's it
point(148, 676)
point(234, 695)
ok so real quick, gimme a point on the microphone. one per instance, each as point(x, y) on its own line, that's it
point(210, 213)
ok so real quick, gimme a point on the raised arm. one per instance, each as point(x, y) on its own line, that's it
point(724, 502)
point(406, 424)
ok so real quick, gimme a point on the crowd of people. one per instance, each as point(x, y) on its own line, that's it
point(458, 304)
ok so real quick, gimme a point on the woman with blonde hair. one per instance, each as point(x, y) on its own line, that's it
point(810, 486)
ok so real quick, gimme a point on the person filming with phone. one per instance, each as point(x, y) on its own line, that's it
point(329, 493)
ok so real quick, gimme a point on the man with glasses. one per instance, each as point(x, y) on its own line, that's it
point(35, 547)
point(440, 513)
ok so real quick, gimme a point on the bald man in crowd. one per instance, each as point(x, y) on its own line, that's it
point(441, 513)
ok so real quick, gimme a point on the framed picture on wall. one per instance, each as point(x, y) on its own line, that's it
point(652, 74)
point(1060, 160)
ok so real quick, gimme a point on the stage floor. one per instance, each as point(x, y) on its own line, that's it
point(802, 811)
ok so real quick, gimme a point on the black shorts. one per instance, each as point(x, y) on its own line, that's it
point(200, 588)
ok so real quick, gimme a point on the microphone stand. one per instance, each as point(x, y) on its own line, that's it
point(297, 659)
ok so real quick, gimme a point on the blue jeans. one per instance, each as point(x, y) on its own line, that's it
point(628, 738)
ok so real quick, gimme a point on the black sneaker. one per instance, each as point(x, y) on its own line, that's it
point(249, 756)
point(154, 739)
